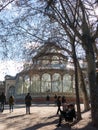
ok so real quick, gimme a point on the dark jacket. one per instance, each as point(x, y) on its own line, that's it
point(58, 103)
point(47, 98)
point(63, 99)
point(28, 100)
point(2, 98)
point(11, 100)
point(70, 114)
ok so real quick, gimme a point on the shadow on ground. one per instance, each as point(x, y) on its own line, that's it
point(50, 125)
point(89, 126)
point(40, 125)
point(64, 127)
point(17, 116)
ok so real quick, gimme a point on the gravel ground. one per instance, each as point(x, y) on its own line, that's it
point(42, 117)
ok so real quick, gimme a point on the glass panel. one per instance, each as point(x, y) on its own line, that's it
point(11, 91)
point(67, 83)
point(35, 84)
point(55, 60)
point(45, 62)
point(56, 83)
point(46, 83)
point(19, 86)
point(26, 85)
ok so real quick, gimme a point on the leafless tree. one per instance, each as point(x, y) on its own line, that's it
point(76, 18)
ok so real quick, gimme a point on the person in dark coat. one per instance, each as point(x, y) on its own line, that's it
point(28, 101)
point(68, 115)
point(55, 99)
point(63, 99)
point(58, 104)
point(11, 103)
point(3, 101)
point(48, 99)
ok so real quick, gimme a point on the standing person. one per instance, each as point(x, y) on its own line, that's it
point(48, 99)
point(28, 100)
point(58, 104)
point(3, 101)
point(63, 102)
point(11, 103)
point(55, 99)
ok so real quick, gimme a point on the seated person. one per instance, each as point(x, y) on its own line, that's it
point(64, 107)
point(68, 115)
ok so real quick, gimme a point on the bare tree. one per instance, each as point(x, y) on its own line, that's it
point(75, 17)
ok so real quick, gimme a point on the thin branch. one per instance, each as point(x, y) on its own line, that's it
point(6, 5)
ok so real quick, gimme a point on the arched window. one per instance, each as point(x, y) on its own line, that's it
point(26, 85)
point(46, 83)
point(56, 83)
point(19, 85)
point(11, 90)
point(35, 84)
point(67, 83)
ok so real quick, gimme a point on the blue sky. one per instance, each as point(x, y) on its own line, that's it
point(10, 61)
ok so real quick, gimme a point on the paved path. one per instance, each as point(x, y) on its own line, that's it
point(42, 117)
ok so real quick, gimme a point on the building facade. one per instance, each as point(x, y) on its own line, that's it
point(50, 73)
point(10, 82)
point(2, 87)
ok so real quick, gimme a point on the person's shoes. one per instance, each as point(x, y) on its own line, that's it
point(58, 125)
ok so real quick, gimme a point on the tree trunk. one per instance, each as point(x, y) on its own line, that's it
point(83, 89)
point(92, 80)
point(76, 83)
